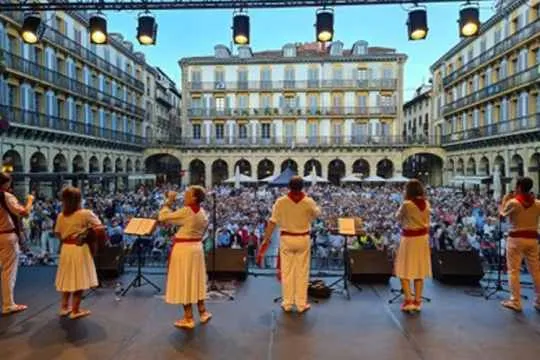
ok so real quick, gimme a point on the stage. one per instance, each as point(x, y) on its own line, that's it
point(454, 326)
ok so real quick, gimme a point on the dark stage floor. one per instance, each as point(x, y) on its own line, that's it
point(454, 326)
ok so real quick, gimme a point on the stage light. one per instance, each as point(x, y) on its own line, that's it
point(32, 28)
point(325, 25)
point(240, 28)
point(147, 29)
point(469, 20)
point(417, 23)
point(98, 29)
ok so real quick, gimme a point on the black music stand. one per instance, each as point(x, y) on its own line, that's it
point(345, 277)
point(140, 232)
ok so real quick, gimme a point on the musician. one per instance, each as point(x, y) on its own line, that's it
point(10, 235)
point(293, 213)
point(76, 270)
point(523, 212)
point(186, 279)
point(413, 261)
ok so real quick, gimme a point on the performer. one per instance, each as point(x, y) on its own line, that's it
point(523, 212)
point(413, 260)
point(10, 233)
point(186, 279)
point(293, 213)
point(76, 270)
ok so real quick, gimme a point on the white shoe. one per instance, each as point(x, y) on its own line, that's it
point(511, 304)
point(205, 317)
point(303, 309)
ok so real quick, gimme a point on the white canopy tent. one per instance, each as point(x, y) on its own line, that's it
point(268, 178)
point(398, 179)
point(240, 178)
point(472, 180)
point(314, 179)
point(374, 179)
point(353, 178)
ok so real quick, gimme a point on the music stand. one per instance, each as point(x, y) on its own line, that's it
point(346, 227)
point(141, 228)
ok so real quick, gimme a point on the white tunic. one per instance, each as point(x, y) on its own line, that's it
point(76, 269)
point(186, 278)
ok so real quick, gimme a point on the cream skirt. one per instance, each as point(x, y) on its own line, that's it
point(76, 269)
point(413, 258)
point(186, 279)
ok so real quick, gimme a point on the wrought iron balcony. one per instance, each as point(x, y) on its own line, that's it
point(528, 32)
point(375, 84)
point(292, 112)
point(520, 79)
point(44, 122)
point(307, 141)
point(78, 49)
point(498, 129)
point(26, 67)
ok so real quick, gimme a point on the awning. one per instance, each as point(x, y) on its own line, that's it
point(374, 179)
point(353, 178)
point(243, 179)
point(474, 180)
point(142, 177)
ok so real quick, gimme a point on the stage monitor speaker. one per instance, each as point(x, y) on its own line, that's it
point(457, 267)
point(229, 264)
point(370, 266)
point(110, 262)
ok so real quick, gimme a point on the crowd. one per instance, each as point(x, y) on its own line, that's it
point(460, 220)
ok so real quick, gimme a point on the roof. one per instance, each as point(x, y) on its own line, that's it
point(304, 53)
point(500, 15)
point(418, 97)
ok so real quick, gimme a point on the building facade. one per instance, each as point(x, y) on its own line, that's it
point(486, 105)
point(306, 106)
point(417, 114)
point(74, 109)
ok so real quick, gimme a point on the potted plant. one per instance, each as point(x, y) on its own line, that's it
point(267, 111)
point(276, 111)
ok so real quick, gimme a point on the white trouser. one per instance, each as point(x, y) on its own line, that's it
point(295, 256)
point(516, 250)
point(9, 260)
point(47, 238)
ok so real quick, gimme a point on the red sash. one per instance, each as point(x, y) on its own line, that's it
point(288, 233)
point(70, 240)
point(414, 232)
point(526, 234)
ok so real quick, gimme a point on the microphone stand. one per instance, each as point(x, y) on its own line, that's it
point(212, 285)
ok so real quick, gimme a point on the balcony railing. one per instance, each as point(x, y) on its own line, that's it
point(375, 84)
point(17, 116)
point(35, 70)
point(60, 39)
point(307, 141)
point(522, 78)
point(294, 112)
point(503, 128)
point(528, 32)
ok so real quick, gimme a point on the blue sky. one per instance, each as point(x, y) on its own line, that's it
point(184, 33)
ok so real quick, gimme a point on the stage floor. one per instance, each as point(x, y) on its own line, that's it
point(454, 326)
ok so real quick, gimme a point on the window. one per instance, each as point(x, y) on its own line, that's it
point(312, 103)
point(289, 102)
point(362, 101)
point(219, 76)
point(266, 101)
point(497, 36)
point(265, 131)
point(313, 77)
point(471, 55)
point(242, 131)
point(483, 46)
point(220, 131)
point(387, 74)
point(337, 75)
point(243, 101)
point(289, 51)
point(289, 77)
point(196, 131)
point(266, 78)
point(220, 103)
point(362, 74)
point(196, 76)
point(243, 76)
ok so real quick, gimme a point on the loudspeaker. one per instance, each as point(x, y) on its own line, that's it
point(229, 264)
point(110, 262)
point(457, 267)
point(370, 266)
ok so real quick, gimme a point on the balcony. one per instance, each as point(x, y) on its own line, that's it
point(340, 111)
point(520, 79)
point(305, 142)
point(373, 84)
point(526, 33)
point(61, 40)
point(29, 68)
point(48, 123)
point(504, 128)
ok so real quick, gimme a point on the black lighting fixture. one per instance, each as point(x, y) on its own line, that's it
point(417, 23)
point(469, 20)
point(32, 28)
point(147, 29)
point(98, 28)
point(240, 28)
point(324, 27)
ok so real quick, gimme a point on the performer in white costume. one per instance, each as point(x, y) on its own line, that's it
point(293, 213)
point(10, 212)
point(76, 270)
point(186, 279)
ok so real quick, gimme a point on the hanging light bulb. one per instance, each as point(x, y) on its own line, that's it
point(32, 28)
point(469, 20)
point(324, 26)
point(417, 23)
point(147, 29)
point(98, 29)
point(240, 28)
